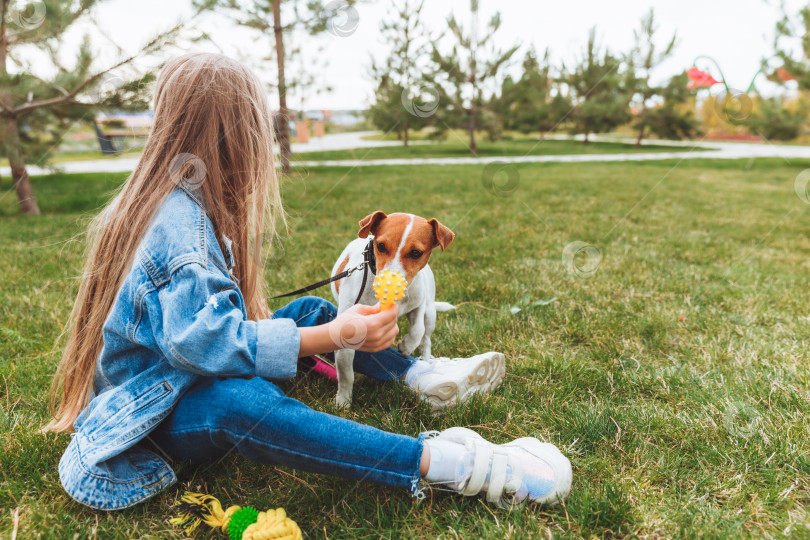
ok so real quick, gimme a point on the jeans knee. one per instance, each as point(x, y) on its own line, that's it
point(328, 309)
point(242, 401)
point(325, 309)
point(308, 311)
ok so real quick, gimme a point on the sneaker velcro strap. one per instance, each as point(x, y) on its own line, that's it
point(516, 476)
point(497, 477)
point(481, 459)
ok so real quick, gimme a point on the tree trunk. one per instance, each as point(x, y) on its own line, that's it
point(586, 141)
point(10, 134)
point(471, 127)
point(405, 137)
point(283, 112)
point(473, 71)
point(641, 128)
point(28, 203)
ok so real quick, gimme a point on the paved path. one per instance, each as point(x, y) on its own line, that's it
point(707, 149)
point(337, 141)
point(344, 141)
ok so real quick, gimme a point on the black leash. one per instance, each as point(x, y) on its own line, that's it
point(369, 263)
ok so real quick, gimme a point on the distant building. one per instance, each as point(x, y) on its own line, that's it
point(117, 131)
point(347, 118)
point(133, 124)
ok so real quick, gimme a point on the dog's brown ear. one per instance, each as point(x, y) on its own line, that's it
point(444, 236)
point(370, 223)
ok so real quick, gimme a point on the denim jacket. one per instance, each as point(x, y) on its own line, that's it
point(178, 316)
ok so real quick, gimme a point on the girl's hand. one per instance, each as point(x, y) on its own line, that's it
point(365, 328)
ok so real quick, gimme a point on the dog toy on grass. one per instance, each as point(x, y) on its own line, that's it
point(239, 523)
point(389, 288)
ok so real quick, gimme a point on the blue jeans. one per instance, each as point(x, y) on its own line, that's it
point(255, 418)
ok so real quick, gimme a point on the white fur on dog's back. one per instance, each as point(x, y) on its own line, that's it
point(444, 306)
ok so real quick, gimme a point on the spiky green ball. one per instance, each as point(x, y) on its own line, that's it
point(241, 520)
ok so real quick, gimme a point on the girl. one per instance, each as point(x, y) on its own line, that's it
point(171, 339)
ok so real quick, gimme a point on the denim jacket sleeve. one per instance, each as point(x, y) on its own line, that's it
point(201, 327)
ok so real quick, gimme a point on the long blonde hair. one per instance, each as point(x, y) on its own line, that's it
point(209, 109)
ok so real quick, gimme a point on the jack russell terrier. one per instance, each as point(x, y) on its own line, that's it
point(401, 242)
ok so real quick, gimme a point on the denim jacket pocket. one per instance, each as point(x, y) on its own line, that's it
point(130, 409)
point(120, 417)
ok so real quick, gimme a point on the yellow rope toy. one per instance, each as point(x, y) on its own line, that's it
point(239, 523)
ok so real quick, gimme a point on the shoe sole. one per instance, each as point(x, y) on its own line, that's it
point(485, 377)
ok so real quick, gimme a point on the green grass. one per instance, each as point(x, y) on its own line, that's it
point(506, 147)
point(83, 155)
point(92, 155)
point(675, 377)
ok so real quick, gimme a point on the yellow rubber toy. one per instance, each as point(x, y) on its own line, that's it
point(389, 288)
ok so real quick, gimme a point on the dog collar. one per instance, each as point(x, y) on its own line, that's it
point(369, 258)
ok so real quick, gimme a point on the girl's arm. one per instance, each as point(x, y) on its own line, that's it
point(363, 328)
point(199, 324)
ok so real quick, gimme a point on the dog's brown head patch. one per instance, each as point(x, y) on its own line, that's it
point(404, 242)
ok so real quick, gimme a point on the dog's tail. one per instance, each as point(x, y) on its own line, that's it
point(444, 306)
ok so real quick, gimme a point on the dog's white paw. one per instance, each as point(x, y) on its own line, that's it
point(405, 348)
point(344, 401)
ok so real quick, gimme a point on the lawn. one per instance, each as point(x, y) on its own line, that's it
point(90, 154)
point(505, 147)
point(428, 149)
point(671, 366)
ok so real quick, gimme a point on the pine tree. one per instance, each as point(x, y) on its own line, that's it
point(468, 66)
point(530, 103)
point(601, 95)
point(36, 110)
point(280, 19)
point(673, 118)
point(403, 99)
point(644, 58)
point(787, 29)
point(772, 119)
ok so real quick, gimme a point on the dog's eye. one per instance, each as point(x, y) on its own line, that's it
point(415, 254)
point(381, 247)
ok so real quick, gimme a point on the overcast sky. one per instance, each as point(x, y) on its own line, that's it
point(738, 33)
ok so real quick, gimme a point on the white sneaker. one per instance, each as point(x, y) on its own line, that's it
point(443, 382)
point(512, 473)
